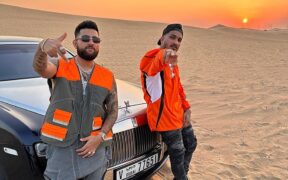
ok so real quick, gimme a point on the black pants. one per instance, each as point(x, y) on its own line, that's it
point(181, 144)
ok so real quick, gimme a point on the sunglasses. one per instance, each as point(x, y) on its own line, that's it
point(86, 38)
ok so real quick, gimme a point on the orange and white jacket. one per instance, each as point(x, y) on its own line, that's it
point(164, 95)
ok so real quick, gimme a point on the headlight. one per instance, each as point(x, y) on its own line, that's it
point(41, 149)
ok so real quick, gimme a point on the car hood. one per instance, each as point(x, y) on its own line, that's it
point(33, 95)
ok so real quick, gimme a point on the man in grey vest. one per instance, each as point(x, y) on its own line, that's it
point(83, 107)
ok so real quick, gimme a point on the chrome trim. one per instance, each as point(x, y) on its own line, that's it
point(110, 171)
point(10, 151)
point(157, 148)
point(18, 39)
point(41, 149)
point(20, 42)
point(23, 106)
point(132, 143)
point(123, 126)
point(162, 159)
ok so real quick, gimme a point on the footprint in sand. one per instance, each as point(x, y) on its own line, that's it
point(208, 147)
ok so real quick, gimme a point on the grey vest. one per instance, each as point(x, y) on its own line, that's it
point(70, 114)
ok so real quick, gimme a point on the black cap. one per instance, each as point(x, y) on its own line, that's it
point(171, 27)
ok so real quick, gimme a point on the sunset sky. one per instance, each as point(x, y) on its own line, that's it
point(259, 14)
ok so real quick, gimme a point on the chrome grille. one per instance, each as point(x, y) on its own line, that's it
point(131, 143)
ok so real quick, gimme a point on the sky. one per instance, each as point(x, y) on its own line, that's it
point(259, 14)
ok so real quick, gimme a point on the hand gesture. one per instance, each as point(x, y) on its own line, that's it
point(90, 147)
point(53, 47)
point(187, 118)
point(171, 57)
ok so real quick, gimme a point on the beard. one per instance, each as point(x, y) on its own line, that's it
point(85, 55)
point(174, 47)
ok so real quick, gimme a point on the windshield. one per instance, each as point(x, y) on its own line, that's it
point(16, 61)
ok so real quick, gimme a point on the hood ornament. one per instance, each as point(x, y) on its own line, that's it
point(127, 105)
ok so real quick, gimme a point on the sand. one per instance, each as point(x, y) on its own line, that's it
point(235, 79)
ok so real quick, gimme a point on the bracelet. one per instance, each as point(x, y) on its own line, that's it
point(42, 44)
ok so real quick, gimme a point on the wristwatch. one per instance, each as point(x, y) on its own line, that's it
point(103, 135)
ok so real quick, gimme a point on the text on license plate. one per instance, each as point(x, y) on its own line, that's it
point(136, 167)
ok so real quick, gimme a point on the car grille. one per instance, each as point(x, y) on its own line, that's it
point(131, 143)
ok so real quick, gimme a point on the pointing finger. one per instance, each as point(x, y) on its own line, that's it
point(62, 37)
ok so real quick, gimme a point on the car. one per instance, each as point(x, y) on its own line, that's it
point(137, 152)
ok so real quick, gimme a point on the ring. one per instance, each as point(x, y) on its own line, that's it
point(61, 48)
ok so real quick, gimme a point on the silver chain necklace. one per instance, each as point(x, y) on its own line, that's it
point(84, 73)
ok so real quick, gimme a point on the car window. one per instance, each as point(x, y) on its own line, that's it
point(16, 61)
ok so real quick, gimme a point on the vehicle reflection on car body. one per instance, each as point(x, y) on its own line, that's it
point(24, 98)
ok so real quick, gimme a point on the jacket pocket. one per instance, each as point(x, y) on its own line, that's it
point(61, 117)
point(53, 131)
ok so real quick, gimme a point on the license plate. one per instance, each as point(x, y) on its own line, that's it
point(137, 167)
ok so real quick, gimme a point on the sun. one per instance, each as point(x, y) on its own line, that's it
point(245, 20)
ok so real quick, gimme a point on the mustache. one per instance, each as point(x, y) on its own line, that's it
point(89, 47)
point(174, 46)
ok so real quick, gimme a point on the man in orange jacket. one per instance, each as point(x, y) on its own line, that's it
point(168, 111)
